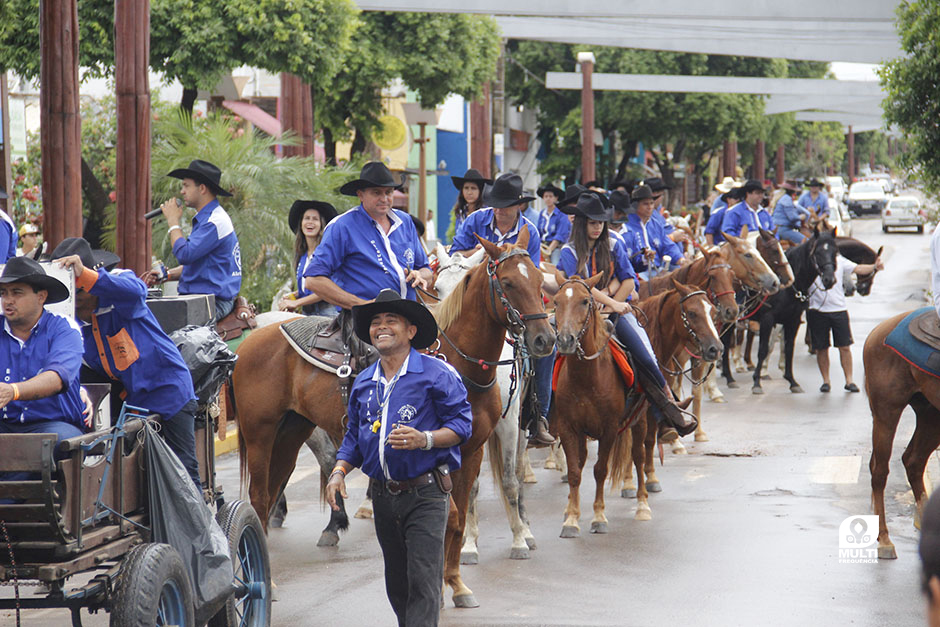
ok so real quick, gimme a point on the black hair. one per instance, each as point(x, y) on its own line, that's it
point(599, 250)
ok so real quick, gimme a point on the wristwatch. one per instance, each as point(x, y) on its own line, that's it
point(430, 443)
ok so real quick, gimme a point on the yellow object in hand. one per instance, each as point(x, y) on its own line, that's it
point(376, 426)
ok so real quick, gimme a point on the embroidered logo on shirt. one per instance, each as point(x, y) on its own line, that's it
point(409, 257)
point(406, 414)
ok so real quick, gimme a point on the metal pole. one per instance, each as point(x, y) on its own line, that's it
point(586, 59)
point(422, 175)
point(851, 141)
point(6, 176)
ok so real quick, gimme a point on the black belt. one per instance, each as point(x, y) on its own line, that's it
point(397, 487)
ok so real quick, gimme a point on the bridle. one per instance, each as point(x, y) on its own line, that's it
point(515, 319)
point(592, 308)
point(712, 295)
point(778, 263)
point(698, 340)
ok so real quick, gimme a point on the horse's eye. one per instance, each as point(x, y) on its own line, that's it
point(748, 256)
point(585, 302)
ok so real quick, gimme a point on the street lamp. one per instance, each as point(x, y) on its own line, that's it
point(414, 114)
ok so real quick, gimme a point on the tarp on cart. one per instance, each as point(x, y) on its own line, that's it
point(208, 358)
point(180, 517)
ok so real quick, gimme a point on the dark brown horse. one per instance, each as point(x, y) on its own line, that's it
point(892, 384)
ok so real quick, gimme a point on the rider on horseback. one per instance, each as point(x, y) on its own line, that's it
point(733, 195)
point(651, 232)
point(748, 213)
point(815, 199)
point(788, 216)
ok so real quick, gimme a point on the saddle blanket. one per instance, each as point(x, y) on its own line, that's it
point(620, 359)
point(911, 349)
point(302, 332)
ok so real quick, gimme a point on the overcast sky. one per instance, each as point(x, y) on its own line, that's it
point(854, 71)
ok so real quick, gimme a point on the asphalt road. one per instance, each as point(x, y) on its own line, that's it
point(745, 531)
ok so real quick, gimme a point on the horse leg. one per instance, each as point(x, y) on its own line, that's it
point(528, 473)
point(925, 440)
point(292, 432)
point(789, 337)
point(575, 446)
point(728, 340)
point(649, 463)
point(628, 487)
point(470, 552)
point(322, 447)
point(748, 344)
point(763, 347)
point(885, 417)
point(503, 447)
point(522, 456)
point(778, 339)
point(714, 392)
point(736, 352)
point(638, 434)
point(257, 462)
point(697, 393)
point(279, 513)
point(364, 510)
point(463, 479)
point(599, 523)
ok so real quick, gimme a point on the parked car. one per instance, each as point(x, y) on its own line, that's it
point(867, 197)
point(905, 211)
point(836, 188)
point(840, 218)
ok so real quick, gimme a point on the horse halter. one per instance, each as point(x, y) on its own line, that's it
point(592, 307)
point(517, 326)
point(712, 295)
point(685, 316)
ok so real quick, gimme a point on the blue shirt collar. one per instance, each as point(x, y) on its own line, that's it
point(203, 214)
point(9, 331)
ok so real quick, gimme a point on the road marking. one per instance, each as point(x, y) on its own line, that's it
point(836, 469)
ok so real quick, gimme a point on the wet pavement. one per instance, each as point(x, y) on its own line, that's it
point(745, 531)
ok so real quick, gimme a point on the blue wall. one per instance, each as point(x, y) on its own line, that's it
point(452, 149)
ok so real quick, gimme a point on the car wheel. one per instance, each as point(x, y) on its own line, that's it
point(920, 228)
point(884, 228)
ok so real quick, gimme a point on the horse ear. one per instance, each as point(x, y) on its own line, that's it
point(559, 277)
point(441, 253)
point(594, 280)
point(491, 249)
point(744, 231)
point(523, 240)
point(878, 254)
point(729, 237)
point(679, 287)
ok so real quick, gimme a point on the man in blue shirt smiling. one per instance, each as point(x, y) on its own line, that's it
point(369, 248)
point(748, 213)
point(210, 256)
point(408, 415)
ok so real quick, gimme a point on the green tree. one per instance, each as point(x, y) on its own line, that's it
point(913, 102)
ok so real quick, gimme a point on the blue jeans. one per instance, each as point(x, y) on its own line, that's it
point(793, 235)
point(178, 433)
point(543, 382)
point(223, 308)
point(634, 337)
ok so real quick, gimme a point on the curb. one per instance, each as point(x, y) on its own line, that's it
point(230, 443)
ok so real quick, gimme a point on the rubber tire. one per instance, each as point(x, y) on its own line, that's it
point(235, 518)
point(884, 228)
point(146, 568)
point(920, 229)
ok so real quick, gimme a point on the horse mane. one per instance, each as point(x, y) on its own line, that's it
point(449, 309)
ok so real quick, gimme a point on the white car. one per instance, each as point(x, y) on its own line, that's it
point(840, 218)
point(866, 197)
point(903, 211)
point(836, 187)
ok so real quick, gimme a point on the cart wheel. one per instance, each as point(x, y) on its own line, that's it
point(152, 589)
point(252, 606)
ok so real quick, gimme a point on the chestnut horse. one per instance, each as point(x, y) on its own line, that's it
point(892, 384)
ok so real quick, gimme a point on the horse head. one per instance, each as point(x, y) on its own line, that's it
point(452, 268)
point(772, 252)
point(696, 313)
point(515, 294)
point(720, 285)
point(863, 283)
point(749, 267)
point(822, 256)
point(575, 311)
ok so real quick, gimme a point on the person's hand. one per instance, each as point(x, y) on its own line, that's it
point(6, 394)
point(88, 414)
point(649, 253)
point(287, 304)
point(415, 279)
point(337, 483)
point(407, 438)
point(682, 260)
point(73, 263)
point(879, 264)
point(172, 211)
point(617, 307)
point(150, 278)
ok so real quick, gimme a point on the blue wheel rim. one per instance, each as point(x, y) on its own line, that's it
point(171, 610)
point(251, 609)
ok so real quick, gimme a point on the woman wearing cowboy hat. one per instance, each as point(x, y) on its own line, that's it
point(470, 188)
point(592, 249)
point(307, 219)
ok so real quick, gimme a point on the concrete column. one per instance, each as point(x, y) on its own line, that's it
point(586, 59)
point(132, 62)
point(781, 164)
point(851, 147)
point(759, 160)
point(61, 135)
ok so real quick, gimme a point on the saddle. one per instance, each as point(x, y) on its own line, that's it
point(234, 324)
point(926, 328)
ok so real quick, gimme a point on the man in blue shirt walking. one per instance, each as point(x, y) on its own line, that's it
point(124, 342)
point(748, 213)
point(408, 415)
point(8, 237)
point(210, 256)
point(369, 248)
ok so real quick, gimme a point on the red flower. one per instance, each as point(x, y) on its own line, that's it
point(112, 196)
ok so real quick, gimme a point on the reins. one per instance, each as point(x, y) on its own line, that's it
point(592, 308)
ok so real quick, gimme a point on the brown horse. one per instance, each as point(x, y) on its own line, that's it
point(592, 400)
point(892, 384)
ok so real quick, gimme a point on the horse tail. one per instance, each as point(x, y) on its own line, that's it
point(227, 402)
point(620, 459)
point(495, 453)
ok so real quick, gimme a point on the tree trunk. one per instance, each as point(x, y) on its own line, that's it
point(97, 201)
point(329, 146)
point(629, 149)
point(359, 144)
point(189, 99)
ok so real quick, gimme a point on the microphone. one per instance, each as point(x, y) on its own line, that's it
point(150, 215)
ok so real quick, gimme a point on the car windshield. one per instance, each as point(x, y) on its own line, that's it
point(904, 204)
point(836, 183)
point(866, 187)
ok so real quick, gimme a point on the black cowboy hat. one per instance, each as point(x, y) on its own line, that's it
point(26, 270)
point(572, 193)
point(92, 259)
point(656, 184)
point(390, 301)
point(202, 172)
point(815, 182)
point(506, 192)
point(641, 192)
point(593, 183)
point(570, 207)
point(621, 203)
point(625, 183)
point(471, 176)
point(752, 185)
point(592, 207)
point(373, 174)
point(736, 193)
point(559, 193)
point(299, 208)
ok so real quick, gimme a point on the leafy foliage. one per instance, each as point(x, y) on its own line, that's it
point(913, 102)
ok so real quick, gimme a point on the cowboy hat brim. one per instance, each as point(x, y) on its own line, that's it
point(56, 288)
point(92, 259)
point(199, 177)
point(559, 193)
point(460, 180)
point(299, 208)
point(416, 313)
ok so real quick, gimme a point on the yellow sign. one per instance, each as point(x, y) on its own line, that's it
point(392, 134)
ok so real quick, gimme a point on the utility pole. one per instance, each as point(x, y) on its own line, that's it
point(586, 60)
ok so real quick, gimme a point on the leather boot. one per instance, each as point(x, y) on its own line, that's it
point(670, 412)
point(540, 437)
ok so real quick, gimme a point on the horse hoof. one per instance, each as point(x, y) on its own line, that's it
point(757, 390)
point(796, 389)
point(465, 601)
point(733, 385)
point(564, 478)
point(719, 399)
point(887, 552)
point(654, 486)
point(550, 463)
point(750, 367)
point(701, 437)
point(363, 512)
point(678, 448)
point(568, 531)
point(598, 527)
point(328, 538)
point(470, 559)
point(276, 522)
point(765, 377)
point(530, 542)
point(643, 513)
point(529, 478)
point(518, 553)
point(628, 493)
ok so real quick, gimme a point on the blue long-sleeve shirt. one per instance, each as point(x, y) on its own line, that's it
point(426, 394)
point(483, 223)
point(714, 224)
point(125, 342)
point(652, 235)
point(619, 258)
point(8, 237)
point(53, 345)
point(788, 214)
point(741, 215)
point(554, 228)
point(820, 205)
point(211, 257)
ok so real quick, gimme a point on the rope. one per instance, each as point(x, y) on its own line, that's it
point(16, 583)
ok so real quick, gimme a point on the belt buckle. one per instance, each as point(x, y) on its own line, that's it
point(394, 491)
